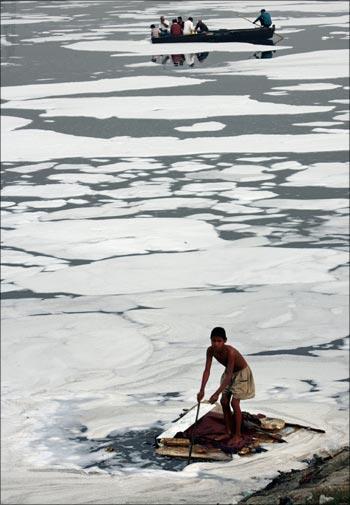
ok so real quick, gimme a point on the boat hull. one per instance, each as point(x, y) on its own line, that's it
point(253, 35)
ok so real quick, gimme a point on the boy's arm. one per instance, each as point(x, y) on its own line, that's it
point(228, 376)
point(206, 375)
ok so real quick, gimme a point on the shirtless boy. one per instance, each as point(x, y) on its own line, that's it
point(237, 382)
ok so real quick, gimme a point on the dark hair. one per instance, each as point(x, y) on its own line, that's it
point(179, 17)
point(218, 332)
point(263, 10)
point(152, 26)
point(174, 20)
point(191, 19)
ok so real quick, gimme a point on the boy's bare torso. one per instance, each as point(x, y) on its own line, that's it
point(228, 352)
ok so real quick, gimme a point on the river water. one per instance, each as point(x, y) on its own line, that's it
point(150, 194)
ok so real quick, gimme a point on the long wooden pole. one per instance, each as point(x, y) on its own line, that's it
point(192, 436)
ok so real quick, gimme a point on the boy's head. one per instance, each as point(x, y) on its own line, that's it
point(152, 26)
point(262, 11)
point(218, 337)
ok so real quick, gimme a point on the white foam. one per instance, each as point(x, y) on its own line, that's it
point(145, 47)
point(83, 239)
point(32, 19)
point(202, 127)
point(287, 165)
point(31, 91)
point(318, 123)
point(314, 204)
point(326, 64)
point(330, 175)
point(199, 187)
point(329, 130)
point(248, 194)
point(10, 123)
point(257, 159)
point(44, 204)
point(239, 173)
point(166, 107)
point(139, 191)
point(18, 145)
point(83, 178)
point(46, 190)
point(312, 86)
point(31, 168)
point(190, 166)
point(342, 117)
point(193, 269)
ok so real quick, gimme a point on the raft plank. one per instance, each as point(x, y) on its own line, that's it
point(198, 452)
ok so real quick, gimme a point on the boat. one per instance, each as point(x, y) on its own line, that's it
point(253, 35)
point(208, 438)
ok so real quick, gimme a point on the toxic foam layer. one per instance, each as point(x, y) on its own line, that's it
point(145, 47)
point(202, 127)
point(97, 86)
point(43, 145)
point(331, 175)
point(169, 107)
point(104, 238)
point(327, 64)
point(193, 269)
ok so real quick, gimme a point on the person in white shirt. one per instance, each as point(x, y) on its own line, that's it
point(164, 26)
point(188, 27)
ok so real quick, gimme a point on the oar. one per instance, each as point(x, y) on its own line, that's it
point(192, 436)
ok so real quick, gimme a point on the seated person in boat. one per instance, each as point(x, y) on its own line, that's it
point(154, 31)
point(264, 18)
point(201, 27)
point(237, 382)
point(188, 27)
point(181, 22)
point(164, 27)
point(175, 28)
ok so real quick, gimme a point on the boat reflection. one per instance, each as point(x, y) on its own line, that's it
point(264, 54)
point(178, 60)
point(191, 59)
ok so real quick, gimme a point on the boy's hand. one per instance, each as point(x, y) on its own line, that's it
point(214, 398)
point(200, 396)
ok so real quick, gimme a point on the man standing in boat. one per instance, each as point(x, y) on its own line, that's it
point(264, 18)
point(237, 382)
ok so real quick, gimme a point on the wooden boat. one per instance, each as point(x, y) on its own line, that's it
point(208, 435)
point(253, 35)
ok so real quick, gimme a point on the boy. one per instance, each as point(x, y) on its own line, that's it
point(237, 381)
point(154, 31)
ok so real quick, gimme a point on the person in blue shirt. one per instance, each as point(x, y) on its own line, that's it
point(264, 18)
